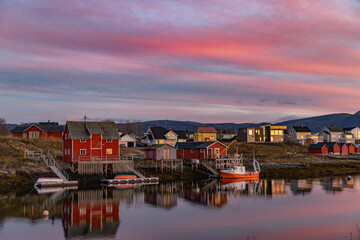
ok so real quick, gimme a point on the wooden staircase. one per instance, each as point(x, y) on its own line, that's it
point(210, 169)
point(50, 162)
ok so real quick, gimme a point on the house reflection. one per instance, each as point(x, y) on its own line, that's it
point(301, 186)
point(273, 187)
point(162, 200)
point(90, 213)
point(206, 197)
point(332, 184)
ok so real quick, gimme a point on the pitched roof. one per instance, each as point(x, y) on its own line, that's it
point(181, 134)
point(44, 126)
point(83, 130)
point(301, 129)
point(349, 128)
point(19, 129)
point(317, 145)
point(226, 131)
point(207, 130)
point(159, 132)
point(331, 144)
point(157, 146)
point(334, 129)
point(349, 144)
point(195, 145)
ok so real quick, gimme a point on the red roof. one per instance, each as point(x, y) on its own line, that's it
point(207, 130)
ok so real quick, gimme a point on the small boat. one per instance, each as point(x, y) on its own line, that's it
point(50, 180)
point(53, 181)
point(125, 176)
point(239, 172)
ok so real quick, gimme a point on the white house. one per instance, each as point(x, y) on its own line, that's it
point(160, 135)
point(127, 140)
point(331, 133)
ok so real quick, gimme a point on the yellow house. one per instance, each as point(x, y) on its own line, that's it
point(205, 134)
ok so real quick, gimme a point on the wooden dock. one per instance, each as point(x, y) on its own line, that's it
point(129, 180)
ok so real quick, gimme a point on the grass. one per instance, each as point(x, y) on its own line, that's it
point(275, 152)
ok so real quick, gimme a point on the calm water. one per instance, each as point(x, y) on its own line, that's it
point(325, 208)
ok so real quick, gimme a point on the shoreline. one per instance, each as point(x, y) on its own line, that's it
point(290, 170)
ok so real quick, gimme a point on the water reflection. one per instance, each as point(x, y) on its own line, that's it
point(97, 212)
point(90, 213)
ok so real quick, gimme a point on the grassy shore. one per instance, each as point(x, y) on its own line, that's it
point(280, 160)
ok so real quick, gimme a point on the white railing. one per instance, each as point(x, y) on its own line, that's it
point(49, 161)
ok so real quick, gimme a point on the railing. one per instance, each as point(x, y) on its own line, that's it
point(49, 161)
point(99, 159)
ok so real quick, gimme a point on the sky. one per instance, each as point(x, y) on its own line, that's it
point(208, 61)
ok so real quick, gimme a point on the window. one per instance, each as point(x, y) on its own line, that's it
point(201, 150)
point(272, 132)
point(109, 151)
point(250, 132)
point(65, 136)
point(192, 150)
point(161, 141)
point(109, 141)
point(65, 151)
point(69, 151)
point(34, 134)
point(212, 138)
point(82, 151)
point(82, 140)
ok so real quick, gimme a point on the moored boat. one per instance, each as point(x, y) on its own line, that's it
point(49, 180)
point(239, 172)
point(53, 181)
point(125, 176)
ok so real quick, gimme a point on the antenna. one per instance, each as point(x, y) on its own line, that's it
point(85, 118)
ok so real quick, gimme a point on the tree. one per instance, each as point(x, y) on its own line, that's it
point(3, 128)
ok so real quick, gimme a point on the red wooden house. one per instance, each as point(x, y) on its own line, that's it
point(201, 150)
point(344, 149)
point(319, 148)
point(39, 130)
point(357, 148)
point(86, 141)
point(351, 147)
point(334, 148)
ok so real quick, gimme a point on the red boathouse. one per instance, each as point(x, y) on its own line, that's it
point(87, 141)
point(344, 149)
point(201, 150)
point(351, 147)
point(319, 148)
point(334, 148)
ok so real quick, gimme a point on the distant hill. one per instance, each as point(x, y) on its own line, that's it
point(190, 126)
point(316, 123)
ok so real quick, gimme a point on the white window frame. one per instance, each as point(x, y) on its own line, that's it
point(83, 140)
point(192, 150)
point(109, 153)
point(109, 141)
point(65, 136)
point(84, 151)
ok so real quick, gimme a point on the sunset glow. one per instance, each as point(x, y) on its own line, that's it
point(208, 61)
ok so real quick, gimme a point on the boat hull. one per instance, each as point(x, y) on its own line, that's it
point(125, 176)
point(226, 175)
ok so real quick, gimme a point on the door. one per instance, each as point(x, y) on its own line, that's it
point(217, 153)
point(209, 155)
point(166, 154)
